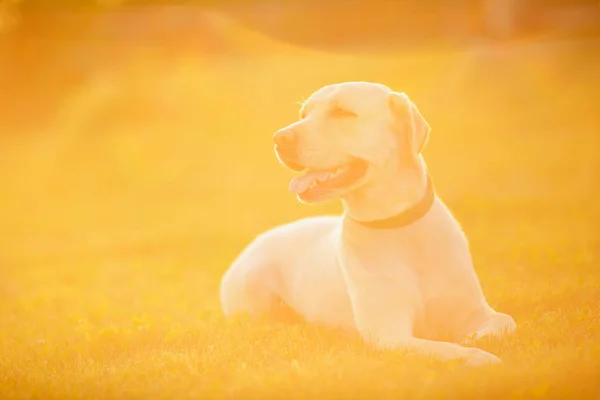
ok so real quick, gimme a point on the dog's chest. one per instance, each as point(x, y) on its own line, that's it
point(437, 256)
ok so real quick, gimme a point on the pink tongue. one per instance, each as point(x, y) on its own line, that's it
point(300, 184)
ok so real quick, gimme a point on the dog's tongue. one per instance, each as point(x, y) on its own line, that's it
point(300, 184)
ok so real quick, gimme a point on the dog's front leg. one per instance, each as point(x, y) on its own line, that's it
point(385, 306)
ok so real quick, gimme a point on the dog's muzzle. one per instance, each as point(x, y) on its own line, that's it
point(289, 158)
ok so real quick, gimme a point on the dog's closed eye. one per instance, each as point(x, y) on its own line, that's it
point(342, 112)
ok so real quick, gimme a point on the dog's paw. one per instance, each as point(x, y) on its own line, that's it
point(477, 357)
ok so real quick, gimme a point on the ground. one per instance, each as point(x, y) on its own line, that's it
point(117, 229)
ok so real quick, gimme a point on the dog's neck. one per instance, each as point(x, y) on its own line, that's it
point(402, 190)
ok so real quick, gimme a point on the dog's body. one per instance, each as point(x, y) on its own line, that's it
point(401, 283)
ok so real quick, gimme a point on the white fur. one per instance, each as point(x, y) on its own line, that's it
point(406, 288)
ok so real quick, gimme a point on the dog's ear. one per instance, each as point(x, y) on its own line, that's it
point(409, 120)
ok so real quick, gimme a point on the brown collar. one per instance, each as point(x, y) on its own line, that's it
point(408, 216)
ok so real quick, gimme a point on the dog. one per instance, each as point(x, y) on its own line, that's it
point(396, 266)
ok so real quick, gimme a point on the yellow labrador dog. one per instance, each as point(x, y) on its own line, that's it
point(396, 265)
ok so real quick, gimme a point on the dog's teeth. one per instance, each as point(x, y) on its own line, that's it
point(324, 177)
point(337, 172)
point(328, 175)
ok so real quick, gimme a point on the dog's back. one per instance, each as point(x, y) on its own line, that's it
point(293, 263)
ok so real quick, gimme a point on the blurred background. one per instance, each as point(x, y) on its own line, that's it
point(132, 129)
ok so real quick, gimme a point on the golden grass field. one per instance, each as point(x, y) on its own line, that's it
point(119, 219)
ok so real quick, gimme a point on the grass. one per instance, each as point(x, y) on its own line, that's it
point(119, 221)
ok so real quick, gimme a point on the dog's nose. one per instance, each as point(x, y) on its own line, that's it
point(285, 138)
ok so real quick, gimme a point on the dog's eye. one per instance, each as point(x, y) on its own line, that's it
point(341, 112)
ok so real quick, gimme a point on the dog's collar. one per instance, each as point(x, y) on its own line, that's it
point(408, 216)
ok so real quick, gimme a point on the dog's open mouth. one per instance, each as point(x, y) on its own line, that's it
point(336, 178)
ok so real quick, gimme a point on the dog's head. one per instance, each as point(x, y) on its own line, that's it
point(348, 135)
